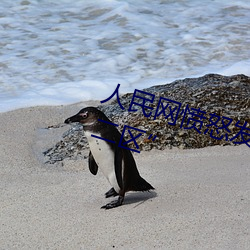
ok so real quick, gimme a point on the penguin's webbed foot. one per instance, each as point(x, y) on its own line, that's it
point(113, 204)
point(111, 193)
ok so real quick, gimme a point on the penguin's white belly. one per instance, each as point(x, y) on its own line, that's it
point(104, 158)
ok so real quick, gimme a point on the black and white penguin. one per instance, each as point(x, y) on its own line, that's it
point(116, 163)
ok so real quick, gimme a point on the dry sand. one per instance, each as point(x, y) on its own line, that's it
point(201, 201)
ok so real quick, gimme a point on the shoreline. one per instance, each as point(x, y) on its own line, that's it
point(201, 198)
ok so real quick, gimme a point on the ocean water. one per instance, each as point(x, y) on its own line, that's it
point(61, 52)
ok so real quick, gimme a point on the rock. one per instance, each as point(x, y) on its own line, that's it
point(212, 95)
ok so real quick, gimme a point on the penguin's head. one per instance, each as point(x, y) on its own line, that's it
point(87, 117)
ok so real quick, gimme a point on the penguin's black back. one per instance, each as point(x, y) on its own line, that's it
point(132, 179)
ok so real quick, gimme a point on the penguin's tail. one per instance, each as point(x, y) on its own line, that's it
point(141, 185)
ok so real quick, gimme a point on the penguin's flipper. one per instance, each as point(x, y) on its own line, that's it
point(113, 204)
point(111, 193)
point(93, 167)
point(118, 167)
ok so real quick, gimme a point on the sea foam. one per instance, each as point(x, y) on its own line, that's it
point(62, 52)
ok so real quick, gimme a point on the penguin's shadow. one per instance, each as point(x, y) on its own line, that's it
point(137, 198)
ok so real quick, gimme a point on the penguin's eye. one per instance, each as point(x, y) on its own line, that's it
point(84, 115)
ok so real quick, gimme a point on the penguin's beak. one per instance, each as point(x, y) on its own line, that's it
point(74, 118)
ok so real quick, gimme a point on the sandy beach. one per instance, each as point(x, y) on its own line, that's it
point(201, 198)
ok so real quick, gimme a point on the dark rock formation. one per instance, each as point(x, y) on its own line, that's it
point(209, 98)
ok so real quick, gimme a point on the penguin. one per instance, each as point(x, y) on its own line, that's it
point(116, 163)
